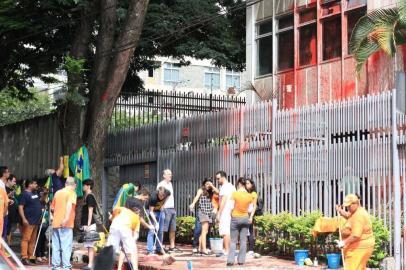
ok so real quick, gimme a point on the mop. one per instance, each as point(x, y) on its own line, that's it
point(342, 250)
point(39, 232)
point(166, 258)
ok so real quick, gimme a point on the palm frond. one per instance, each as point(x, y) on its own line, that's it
point(402, 12)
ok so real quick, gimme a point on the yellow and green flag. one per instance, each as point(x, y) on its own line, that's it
point(79, 164)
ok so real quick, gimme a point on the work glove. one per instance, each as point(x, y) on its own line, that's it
point(340, 244)
point(157, 227)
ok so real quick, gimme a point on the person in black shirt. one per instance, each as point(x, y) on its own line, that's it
point(13, 217)
point(56, 177)
point(30, 210)
point(155, 206)
point(87, 220)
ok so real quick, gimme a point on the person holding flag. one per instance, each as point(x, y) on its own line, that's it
point(127, 190)
point(79, 164)
point(54, 181)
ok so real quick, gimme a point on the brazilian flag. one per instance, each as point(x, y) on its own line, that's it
point(127, 190)
point(80, 166)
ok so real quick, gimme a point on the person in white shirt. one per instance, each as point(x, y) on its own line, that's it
point(169, 211)
point(4, 175)
point(226, 206)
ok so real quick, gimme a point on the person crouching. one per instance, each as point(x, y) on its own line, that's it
point(124, 231)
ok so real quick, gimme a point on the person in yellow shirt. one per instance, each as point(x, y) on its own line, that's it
point(63, 209)
point(240, 222)
point(358, 240)
point(124, 231)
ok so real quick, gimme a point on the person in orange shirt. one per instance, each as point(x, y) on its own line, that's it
point(124, 231)
point(4, 172)
point(240, 222)
point(63, 209)
point(358, 240)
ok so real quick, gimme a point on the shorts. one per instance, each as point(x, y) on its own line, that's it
point(203, 217)
point(225, 223)
point(90, 244)
point(124, 236)
point(170, 220)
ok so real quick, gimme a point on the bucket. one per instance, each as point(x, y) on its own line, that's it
point(333, 260)
point(216, 245)
point(300, 256)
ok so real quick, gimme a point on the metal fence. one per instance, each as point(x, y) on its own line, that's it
point(318, 151)
point(135, 109)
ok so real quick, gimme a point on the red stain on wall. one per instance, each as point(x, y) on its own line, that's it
point(403, 48)
point(349, 89)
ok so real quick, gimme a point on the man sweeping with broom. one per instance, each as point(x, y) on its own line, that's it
point(355, 229)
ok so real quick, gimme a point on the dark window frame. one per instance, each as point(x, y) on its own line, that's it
point(258, 38)
point(283, 31)
point(325, 21)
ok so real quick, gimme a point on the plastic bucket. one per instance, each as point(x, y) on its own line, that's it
point(333, 260)
point(300, 256)
point(216, 245)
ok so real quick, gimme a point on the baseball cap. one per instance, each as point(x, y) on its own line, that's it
point(350, 199)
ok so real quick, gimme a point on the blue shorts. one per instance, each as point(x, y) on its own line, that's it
point(170, 220)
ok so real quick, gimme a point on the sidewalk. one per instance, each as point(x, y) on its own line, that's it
point(207, 262)
point(213, 262)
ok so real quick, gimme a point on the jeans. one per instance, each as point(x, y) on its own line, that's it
point(239, 226)
point(197, 232)
point(160, 217)
point(62, 247)
point(251, 238)
point(28, 241)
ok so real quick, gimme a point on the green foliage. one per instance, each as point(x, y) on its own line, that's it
point(381, 29)
point(37, 35)
point(13, 110)
point(382, 237)
point(184, 229)
point(122, 120)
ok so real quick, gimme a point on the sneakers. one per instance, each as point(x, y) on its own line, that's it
point(26, 262)
point(159, 252)
point(174, 250)
point(195, 250)
point(250, 253)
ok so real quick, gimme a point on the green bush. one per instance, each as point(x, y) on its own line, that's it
point(382, 236)
point(281, 234)
point(185, 227)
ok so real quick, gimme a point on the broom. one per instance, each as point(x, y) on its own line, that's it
point(167, 259)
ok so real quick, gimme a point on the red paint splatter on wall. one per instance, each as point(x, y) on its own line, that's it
point(349, 89)
point(403, 48)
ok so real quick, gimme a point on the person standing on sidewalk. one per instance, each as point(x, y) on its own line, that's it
point(4, 174)
point(169, 211)
point(204, 215)
point(63, 207)
point(30, 210)
point(250, 187)
point(224, 213)
point(56, 177)
point(155, 206)
point(240, 222)
point(13, 217)
point(87, 221)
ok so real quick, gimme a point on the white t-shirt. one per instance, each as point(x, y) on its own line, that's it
point(170, 202)
point(2, 185)
point(227, 190)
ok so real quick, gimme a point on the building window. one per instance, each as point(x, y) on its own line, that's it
point(212, 78)
point(264, 48)
point(356, 3)
point(150, 72)
point(352, 18)
point(285, 43)
point(308, 45)
point(171, 73)
point(308, 37)
point(233, 79)
point(332, 38)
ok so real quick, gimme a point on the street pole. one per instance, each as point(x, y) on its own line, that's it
point(273, 191)
point(396, 185)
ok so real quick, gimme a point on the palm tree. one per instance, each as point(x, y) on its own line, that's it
point(382, 29)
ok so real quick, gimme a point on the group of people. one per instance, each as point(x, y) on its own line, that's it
point(233, 209)
point(229, 208)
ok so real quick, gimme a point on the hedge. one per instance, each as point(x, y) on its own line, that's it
point(281, 234)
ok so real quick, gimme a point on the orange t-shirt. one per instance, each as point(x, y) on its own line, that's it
point(59, 203)
point(242, 201)
point(359, 224)
point(3, 202)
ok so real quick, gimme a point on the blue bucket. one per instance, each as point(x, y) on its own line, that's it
point(301, 256)
point(333, 260)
